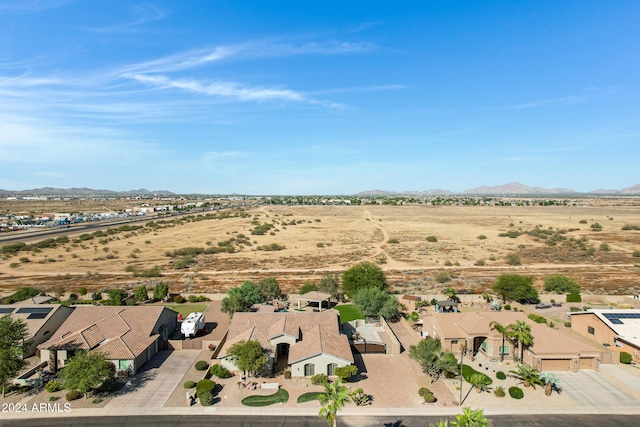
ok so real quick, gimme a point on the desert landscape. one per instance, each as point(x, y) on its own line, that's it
point(422, 248)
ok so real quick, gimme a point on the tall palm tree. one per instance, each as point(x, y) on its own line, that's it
point(504, 330)
point(333, 399)
point(521, 331)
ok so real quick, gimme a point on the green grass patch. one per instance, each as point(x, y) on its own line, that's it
point(468, 371)
point(280, 396)
point(186, 308)
point(348, 312)
point(308, 397)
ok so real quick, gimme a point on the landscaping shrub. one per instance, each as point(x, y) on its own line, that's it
point(179, 299)
point(287, 375)
point(53, 398)
point(427, 395)
point(507, 307)
point(346, 372)
point(206, 398)
point(516, 392)
point(574, 298)
point(201, 365)
point(73, 395)
point(97, 400)
point(189, 384)
point(574, 309)
point(219, 371)
point(625, 357)
point(319, 379)
point(537, 318)
point(501, 375)
point(499, 391)
point(53, 386)
point(205, 386)
point(567, 324)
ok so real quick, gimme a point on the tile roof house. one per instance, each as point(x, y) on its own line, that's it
point(615, 329)
point(129, 336)
point(552, 350)
point(42, 320)
point(308, 343)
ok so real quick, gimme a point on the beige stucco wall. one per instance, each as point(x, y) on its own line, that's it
point(602, 334)
point(321, 362)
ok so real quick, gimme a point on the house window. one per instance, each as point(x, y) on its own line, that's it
point(454, 341)
point(123, 365)
point(309, 370)
point(484, 346)
point(591, 330)
point(504, 351)
point(331, 369)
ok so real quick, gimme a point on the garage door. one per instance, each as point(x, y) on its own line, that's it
point(556, 364)
point(586, 363)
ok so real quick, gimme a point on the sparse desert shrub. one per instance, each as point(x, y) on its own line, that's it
point(631, 227)
point(319, 379)
point(507, 307)
point(393, 240)
point(201, 365)
point(636, 254)
point(178, 299)
point(448, 263)
point(513, 259)
point(583, 221)
point(625, 357)
point(499, 391)
point(432, 239)
point(479, 262)
point(516, 392)
point(441, 276)
point(73, 395)
point(482, 237)
point(271, 247)
point(320, 245)
point(189, 384)
point(427, 395)
point(596, 227)
point(287, 375)
point(501, 375)
point(605, 247)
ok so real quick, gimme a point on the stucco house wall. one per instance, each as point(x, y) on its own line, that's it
point(321, 363)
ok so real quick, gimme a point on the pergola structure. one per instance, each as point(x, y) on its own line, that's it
point(314, 296)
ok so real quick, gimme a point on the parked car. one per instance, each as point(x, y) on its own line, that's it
point(556, 304)
point(542, 306)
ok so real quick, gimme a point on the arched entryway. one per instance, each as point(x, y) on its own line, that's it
point(478, 343)
point(282, 356)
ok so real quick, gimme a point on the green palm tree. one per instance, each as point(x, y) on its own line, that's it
point(521, 332)
point(528, 375)
point(413, 317)
point(504, 330)
point(333, 399)
point(471, 418)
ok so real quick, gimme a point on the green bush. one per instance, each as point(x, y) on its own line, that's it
point(567, 324)
point(574, 298)
point(73, 395)
point(319, 379)
point(507, 307)
point(574, 309)
point(625, 357)
point(499, 391)
point(287, 375)
point(537, 318)
point(636, 254)
point(53, 386)
point(516, 392)
point(179, 299)
point(206, 398)
point(201, 365)
point(219, 371)
point(189, 384)
point(501, 375)
point(346, 372)
point(205, 386)
point(432, 239)
point(427, 395)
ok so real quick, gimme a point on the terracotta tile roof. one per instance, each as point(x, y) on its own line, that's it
point(411, 298)
point(316, 333)
point(120, 332)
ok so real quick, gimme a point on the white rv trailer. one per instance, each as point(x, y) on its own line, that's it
point(193, 324)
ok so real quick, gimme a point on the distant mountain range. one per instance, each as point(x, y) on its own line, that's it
point(50, 191)
point(511, 189)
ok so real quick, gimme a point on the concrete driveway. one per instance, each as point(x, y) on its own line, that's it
point(598, 389)
point(153, 385)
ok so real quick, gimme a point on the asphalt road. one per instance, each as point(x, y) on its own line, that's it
point(255, 421)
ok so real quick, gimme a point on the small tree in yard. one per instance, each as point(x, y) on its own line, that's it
point(344, 373)
point(248, 356)
point(13, 346)
point(141, 294)
point(373, 302)
point(82, 292)
point(87, 370)
point(561, 284)
point(516, 288)
point(528, 375)
point(434, 361)
point(330, 284)
point(268, 289)
point(335, 396)
point(363, 275)
point(449, 292)
point(161, 291)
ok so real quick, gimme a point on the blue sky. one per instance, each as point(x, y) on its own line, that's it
point(318, 97)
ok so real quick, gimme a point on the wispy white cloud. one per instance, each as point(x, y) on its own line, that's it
point(146, 13)
point(589, 93)
point(30, 5)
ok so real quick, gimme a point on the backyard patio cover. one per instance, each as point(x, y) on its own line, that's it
point(314, 296)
